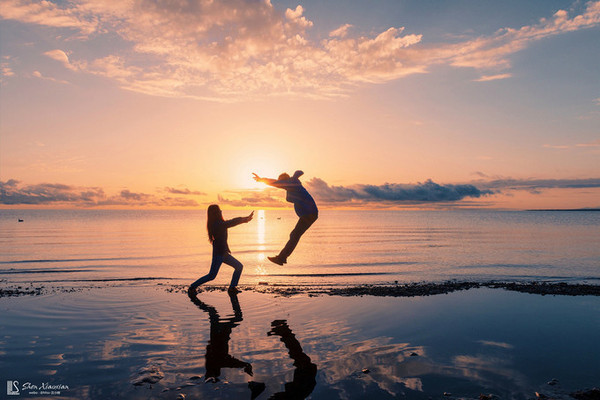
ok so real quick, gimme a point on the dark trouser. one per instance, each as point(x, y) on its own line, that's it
point(216, 265)
point(303, 224)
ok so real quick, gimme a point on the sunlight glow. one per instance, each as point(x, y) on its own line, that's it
point(266, 166)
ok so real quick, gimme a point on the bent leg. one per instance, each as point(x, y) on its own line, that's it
point(212, 274)
point(301, 226)
point(237, 266)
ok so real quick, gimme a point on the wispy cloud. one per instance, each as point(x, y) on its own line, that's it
point(12, 192)
point(38, 74)
point(487, 78)
point(535, 185)
point(593, 143)
point(496, 344)
point(184, 191)
point(239, 48)
point(340, 32)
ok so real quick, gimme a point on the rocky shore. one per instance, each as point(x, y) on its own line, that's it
point(414, 289)
point(390, 290)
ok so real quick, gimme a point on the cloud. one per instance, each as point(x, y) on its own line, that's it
point(12, 192)
point(535, 185)
point(185, 191)
point(487, 78)
point(555, 146)
point(493, 51)
point(264, 198)
point(39, 75)
point(230, 50)
point(593, 143)
point(428, 193)
point(47, 13)
point(61, 57)
point(419, 193)
point(501, 345)
point(340, 32)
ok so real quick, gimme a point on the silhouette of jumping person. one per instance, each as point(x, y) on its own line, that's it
point(304, 205)
point(217, 350)
point(304, 380)
point(217, 235)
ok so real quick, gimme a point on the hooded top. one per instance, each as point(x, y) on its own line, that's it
point(303, 202)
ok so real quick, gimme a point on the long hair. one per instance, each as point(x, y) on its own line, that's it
point(213, 214)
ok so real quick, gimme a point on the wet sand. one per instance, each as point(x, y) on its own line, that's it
point(148, 339)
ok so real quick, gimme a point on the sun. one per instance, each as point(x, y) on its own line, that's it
point(259, 164)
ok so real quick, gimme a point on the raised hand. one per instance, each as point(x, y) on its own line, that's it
point(256, 177)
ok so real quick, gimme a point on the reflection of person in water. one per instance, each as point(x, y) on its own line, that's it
point(217, 350)
point(304, 205)
point(305, 373)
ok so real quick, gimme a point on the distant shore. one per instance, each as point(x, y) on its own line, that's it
point(565, 209)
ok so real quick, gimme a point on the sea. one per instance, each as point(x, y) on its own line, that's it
point(343, 248)
point(113, 318)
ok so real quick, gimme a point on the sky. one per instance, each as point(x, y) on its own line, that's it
point(383, 104)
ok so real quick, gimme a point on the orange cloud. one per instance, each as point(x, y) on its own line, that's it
point(234, 49)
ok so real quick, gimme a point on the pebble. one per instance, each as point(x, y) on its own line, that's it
point(366, 370)
point(150, 374)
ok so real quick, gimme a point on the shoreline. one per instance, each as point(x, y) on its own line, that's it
point(146, 339)
point(386, 290)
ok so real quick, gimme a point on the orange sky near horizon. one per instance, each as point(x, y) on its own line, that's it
point(394, 106)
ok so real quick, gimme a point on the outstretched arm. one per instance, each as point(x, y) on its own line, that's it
point(239, 220)
point(268, 181)
point(281, 184)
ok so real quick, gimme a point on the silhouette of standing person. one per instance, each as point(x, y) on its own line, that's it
point(304, 205)
point(217, 349)
point(217, 235)
point(305, 374)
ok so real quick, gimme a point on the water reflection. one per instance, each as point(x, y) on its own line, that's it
point(218, 357)
point(260, 235)
point(217, 350)
point(305, 373)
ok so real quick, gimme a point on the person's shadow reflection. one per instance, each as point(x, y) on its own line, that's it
point(305, 374)
point(217, 350)
point(218, 357)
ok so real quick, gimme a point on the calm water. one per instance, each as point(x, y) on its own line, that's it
point(342, 248)
point(102, 341)
point(104, 329)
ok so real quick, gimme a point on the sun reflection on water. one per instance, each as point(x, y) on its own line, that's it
point(260, 236)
